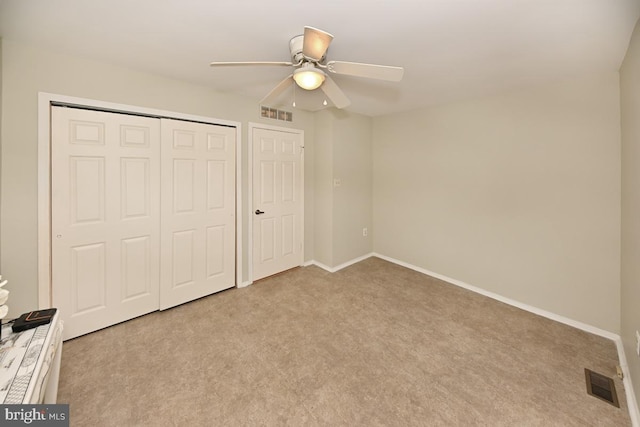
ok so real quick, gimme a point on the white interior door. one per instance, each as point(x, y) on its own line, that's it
point(105, 202)
point(277, 201)
point(198, 211)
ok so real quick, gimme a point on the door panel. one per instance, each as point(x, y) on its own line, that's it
point(105, 219)
point(277, 193)
point(88, 274)
point(183, 185)
point(198, 209)
point(87, 190)
point(216, 184)
point(182, 257)
point(136, 274)
point(135, 188)
point(215, 251)
point(288, 234)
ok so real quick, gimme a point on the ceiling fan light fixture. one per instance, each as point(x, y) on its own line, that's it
point(309, 77)
point(311, 71)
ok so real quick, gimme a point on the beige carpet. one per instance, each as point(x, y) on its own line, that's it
point(374, 344)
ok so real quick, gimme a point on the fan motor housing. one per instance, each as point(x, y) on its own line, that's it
point(295, 47)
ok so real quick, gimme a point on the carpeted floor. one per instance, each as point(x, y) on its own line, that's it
point(374, 344)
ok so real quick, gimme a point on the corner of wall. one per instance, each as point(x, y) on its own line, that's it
point(630, 224)
point(323, 187)
point(343, 186)
point(352, 199)
point(1, 102)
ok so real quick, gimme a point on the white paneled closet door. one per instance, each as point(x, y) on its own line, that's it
point(105, 220)
point(198, 211)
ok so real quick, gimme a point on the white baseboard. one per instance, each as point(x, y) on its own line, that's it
point(244, 284)
point(634, 413)
point(628, 386)
point(497, 297)
point(321, 265)
point(338, 267)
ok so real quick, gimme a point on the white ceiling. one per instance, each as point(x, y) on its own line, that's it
point(451, 49)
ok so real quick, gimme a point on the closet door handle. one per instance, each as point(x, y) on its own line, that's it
point(259, 212)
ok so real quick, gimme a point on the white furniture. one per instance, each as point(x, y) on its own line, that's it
point(30, 364)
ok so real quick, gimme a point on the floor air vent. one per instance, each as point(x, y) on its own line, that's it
point(601, 387)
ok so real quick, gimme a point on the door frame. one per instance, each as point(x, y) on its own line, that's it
point(45, 101)
point(251, 128)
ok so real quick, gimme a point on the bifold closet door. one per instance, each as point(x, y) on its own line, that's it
point(105, 219)
point(198, 211)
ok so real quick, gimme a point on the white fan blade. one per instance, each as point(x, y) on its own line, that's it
point(234, 64)
point(316, 42)
point(333, 92)
point(371, 71)
point(276, 91)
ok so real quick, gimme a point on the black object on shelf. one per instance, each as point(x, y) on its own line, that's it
point(33, 319)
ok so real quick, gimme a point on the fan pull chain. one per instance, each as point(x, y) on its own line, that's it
point(294, 96)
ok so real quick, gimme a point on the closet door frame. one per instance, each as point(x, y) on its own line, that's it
point(45, 101)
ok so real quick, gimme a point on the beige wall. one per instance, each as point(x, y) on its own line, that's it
point(27, 71)
point(630, 291)
point(1, 104)
point(343, 152)
point(518, 194)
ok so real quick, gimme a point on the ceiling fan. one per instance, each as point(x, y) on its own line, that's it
point(311, 71)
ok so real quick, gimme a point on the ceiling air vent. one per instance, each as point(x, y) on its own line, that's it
point(601, 387)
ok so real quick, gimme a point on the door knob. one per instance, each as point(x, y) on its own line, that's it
point(259, 212)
